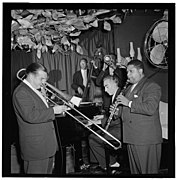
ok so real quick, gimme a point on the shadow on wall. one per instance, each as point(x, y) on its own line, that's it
point(54, 77)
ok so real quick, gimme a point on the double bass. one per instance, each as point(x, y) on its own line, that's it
point(91, 90)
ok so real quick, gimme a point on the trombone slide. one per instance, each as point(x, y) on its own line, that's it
point(65, 98)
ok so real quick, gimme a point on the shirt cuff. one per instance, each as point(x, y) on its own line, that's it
point(129, 104)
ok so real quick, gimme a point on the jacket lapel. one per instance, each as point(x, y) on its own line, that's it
point(33, 94)
point(137, 88)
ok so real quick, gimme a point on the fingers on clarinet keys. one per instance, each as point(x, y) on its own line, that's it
point(112, 107)
point(116, 111)
point(60, 109)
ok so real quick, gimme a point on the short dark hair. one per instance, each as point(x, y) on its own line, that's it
point(137, 63)
point(114, 78)
point(83, 59)
point(34, 67)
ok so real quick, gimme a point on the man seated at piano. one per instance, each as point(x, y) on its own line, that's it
point(81, 78)
point(111, 86)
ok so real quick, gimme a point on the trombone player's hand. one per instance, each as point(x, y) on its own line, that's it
point(59, 109)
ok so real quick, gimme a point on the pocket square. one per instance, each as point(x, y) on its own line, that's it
point(135, 96)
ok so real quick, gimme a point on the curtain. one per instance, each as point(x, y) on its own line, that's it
point(61, 67)
point(19, 60)
point(91, 39)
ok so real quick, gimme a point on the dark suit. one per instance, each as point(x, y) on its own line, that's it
point(97, 145)
point(37, 136)
point(142, 128)
point(78, 81)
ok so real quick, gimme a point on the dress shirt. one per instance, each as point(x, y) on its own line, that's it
point(84, 75)
point(133, 86)
point(36, 91)
point(130, 102)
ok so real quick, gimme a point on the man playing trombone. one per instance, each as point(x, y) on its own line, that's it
point(37, 137)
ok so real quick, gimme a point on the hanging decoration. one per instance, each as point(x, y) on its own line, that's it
point(56, 29)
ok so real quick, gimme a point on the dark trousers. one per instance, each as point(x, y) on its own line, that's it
point(97, 148)
point(44, 166)
point(144, 159)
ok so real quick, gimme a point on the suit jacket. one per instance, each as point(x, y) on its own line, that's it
point(78, 81)
point(36, 129)
point(141, 122)
point(115, 125)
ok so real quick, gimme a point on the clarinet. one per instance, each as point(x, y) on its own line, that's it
point(115, 107)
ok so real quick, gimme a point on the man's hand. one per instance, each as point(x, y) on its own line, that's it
point(104, 66)
point(94, 64)
point(96, 119)
point(111, 108)
point(123, 100)
point(80, 91)
point(58, 109)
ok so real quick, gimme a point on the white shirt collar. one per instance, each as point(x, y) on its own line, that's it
point(133, 86)
point(83, 70)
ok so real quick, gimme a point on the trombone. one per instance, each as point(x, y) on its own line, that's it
point(54, 91)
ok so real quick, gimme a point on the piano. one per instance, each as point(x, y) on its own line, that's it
point(73, 133)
